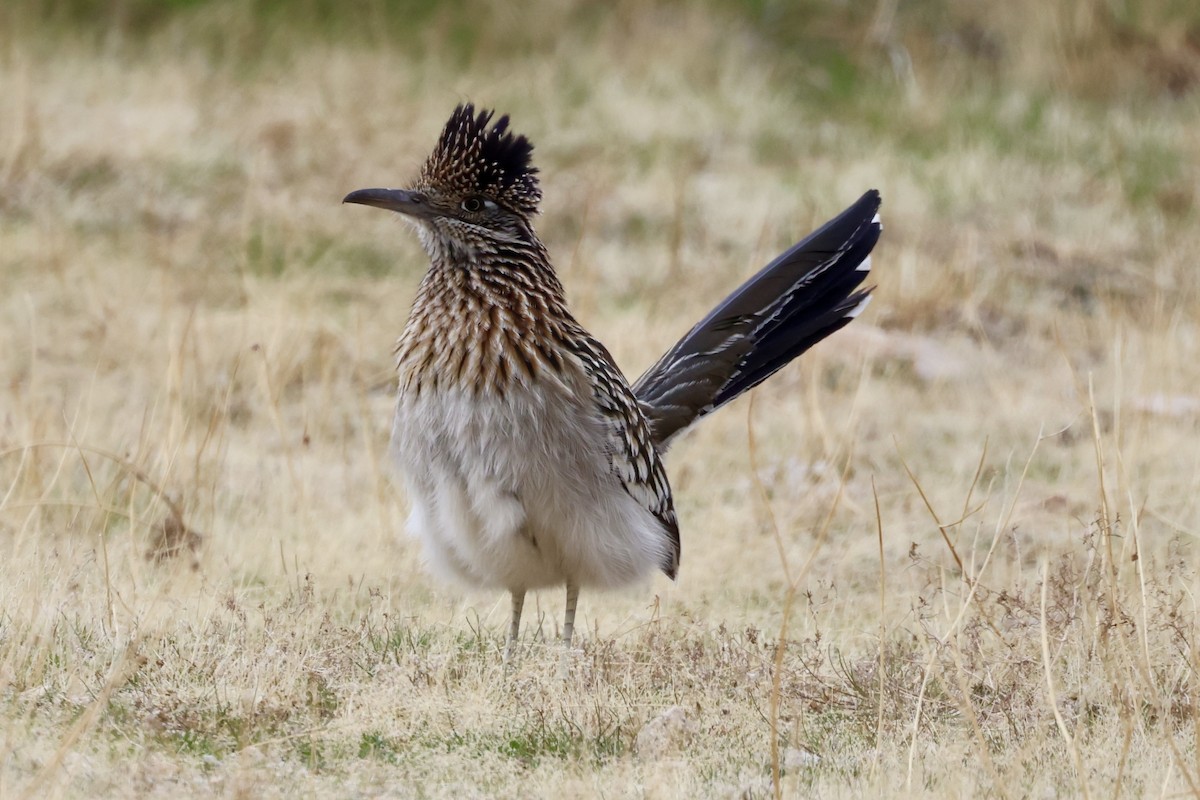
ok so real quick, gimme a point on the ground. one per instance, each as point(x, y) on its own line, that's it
point(951, 552)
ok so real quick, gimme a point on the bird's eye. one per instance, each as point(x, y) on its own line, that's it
point(472, 204)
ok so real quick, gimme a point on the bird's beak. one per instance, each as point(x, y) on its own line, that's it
point(404, 201)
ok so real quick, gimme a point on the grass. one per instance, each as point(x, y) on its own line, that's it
point(950, 552)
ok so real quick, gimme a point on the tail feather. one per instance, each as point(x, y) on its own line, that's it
point(791, 304)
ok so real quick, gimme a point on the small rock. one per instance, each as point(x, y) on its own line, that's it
point(1168, 405)
point(754, 790)
point(667, 733)
point(799, 758)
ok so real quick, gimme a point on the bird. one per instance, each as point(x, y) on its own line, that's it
point(529, 460)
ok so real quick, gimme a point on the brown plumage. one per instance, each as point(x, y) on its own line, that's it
point(530, 461)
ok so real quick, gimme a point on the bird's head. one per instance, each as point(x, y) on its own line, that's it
point(476, 190)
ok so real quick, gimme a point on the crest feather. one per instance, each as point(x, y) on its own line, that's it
point(470, 156)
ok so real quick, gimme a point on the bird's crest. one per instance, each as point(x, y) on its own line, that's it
point(471, 157)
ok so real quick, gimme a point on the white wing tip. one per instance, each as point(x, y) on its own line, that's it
point(864, 265)
point(877, 220)
point(858, 309)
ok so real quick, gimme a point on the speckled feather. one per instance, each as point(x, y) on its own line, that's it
point(471, 157)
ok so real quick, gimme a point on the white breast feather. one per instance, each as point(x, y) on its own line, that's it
point(510, 492)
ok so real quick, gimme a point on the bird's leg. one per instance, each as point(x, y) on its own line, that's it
point(569, 617)
point(518, 603)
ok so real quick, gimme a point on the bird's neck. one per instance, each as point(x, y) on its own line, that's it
point(485, 316)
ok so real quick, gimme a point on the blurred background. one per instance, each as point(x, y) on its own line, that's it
point(196, 379)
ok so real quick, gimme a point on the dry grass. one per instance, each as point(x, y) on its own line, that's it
point(960, 558)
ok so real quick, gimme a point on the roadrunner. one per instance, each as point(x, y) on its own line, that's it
point(529, 460)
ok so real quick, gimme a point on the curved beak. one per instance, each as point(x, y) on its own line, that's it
point(404, 201)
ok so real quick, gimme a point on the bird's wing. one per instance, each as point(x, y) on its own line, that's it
point(629, 445)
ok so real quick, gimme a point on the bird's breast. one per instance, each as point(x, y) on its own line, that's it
point(481, 349)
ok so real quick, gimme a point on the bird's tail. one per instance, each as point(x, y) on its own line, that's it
point(790, 305)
